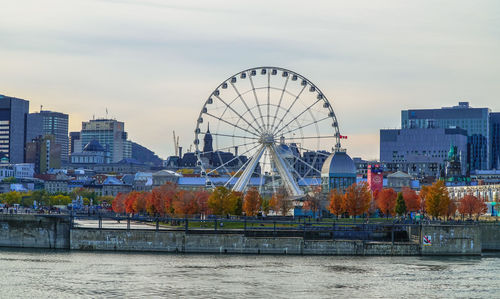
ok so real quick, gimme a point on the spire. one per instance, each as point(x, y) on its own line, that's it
point(208, 128)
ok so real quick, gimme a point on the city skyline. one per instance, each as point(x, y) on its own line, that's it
point(371, 60)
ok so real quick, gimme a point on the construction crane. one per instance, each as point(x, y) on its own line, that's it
point(176, 144)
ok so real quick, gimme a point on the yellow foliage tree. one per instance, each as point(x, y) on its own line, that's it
point(222, 201)
point(437, 199)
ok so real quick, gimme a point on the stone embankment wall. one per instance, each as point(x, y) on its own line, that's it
point(176, 241)
point(33, 231)
point(451, 240)
point(490, 236)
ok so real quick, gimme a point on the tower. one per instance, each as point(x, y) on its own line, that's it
point(207, 141)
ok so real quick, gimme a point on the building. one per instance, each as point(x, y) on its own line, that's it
point(421, 151)
point(338, 172)
point(110, 133)
point(92, 153)
point(74, 142)
point(398, 180)
point(495, 140)
point(13, 128)
point(375, 177)
point(56, 124)
point(44, 152)
point(475, 121)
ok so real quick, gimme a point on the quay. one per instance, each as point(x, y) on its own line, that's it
point(271, 237)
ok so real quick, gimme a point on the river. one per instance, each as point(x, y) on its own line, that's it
point(70, 274)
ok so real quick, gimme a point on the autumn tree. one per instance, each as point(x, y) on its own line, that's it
point(168, 192)
point(452, 209)
point(412, 201)
point(312, 201)
point(155, 202)
point(386, 201)
point(424, 192)
point(222, 201)
point(118, 204)
point(400, 208)
point(202, 201)
point(139, 204)
point(470, 205)
point(336, 206)
point(252, 202)
point(238, 209)
point(280, 202)
point(185, 203)
point(357, 199)
point(437, 199)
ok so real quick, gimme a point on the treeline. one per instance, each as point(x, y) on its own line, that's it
point(44, 199)
point(432, 200)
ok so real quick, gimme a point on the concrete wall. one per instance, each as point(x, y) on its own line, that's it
point(33, 231)
point(176, 241)
point(490, 236)
point(451, 240)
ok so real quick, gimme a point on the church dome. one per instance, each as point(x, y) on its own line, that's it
point(93, 146)
point(339, 164)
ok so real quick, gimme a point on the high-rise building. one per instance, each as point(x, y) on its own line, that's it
point(111, 134)
point(54, 123)
point(44, 152)
point(474, 120)
point(495, 140)
point(13, 128)
point(74, 138)
point(421, 152)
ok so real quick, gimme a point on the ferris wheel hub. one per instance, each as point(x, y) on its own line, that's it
point(266, 139)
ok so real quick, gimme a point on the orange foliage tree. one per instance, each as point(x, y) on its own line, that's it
point(155, 202)
point(437, 199)
point(202, 201)
point(252, 202)
point(279, 201)
point(424, 192)
point(386, 201)
point(452, 209)
point(118, 204)
point(412, 200)
point(357, 199)
point(470, 205)
point(336, 203)
point(185, 203)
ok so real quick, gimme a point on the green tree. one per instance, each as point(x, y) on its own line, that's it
point(11, 198)
point(59, 200)
point(10, 180)
point(400, 205)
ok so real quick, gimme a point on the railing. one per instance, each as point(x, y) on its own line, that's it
point(252, 227)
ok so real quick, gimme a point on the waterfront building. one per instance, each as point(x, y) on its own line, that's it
point(475, 121)
point(421, 152)
point(52, 123)
point(338, 172)
point(44, 152)
point(13, 128)
point(111, 134)
point(399, 180)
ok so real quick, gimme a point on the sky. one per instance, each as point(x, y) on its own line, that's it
point(152, 63)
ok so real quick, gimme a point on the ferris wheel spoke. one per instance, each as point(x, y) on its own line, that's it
point(227, 148)
point(256, 100)
point(268, 98)
point(296, 117)
point(312, 167)
point(289, 108)
point(309, 137)
point(279, 103)
point(231, 124)
point(306, 125)
point(235, 158)
point(236, 112)
point(246, 105)
point(326, 154)
point(235, 136)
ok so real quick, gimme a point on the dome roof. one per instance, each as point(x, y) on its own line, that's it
point(339, 163)
point(93, 146)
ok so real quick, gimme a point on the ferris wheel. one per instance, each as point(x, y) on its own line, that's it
point(265, 126)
